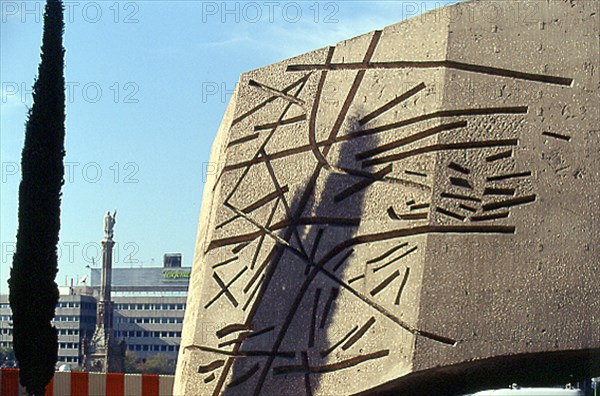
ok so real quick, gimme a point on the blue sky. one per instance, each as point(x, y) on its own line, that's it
point(147, 85)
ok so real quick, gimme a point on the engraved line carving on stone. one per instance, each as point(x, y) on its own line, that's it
point(557, 136)
point(244, 139)
point(436, 114)
point(225, 288)
point(460, 197)
point(257, 204)
point(211, 366)
point(356, 278)
point(449, 213)
point(386, 282)
point(244, 377)
point(265, 230)
point(468, 67)
point(509, 176)
point(345, 107)
point(228, 261)
point(467, 208)
point(240, 338)
point(387, 253)
point(240, 247)
point(306, 367)
point(361, 185)
point(419, 206)
point(391, 104)
point(509, 202)
point(367, 132)
point(333, 294)
point(261, 332)
point(313, 320)
point(402, 286)
point(313, 251)
point(494, 216)
point(413, 173)
point(411, 139)
point(498, 191)
point(261, 240)
point(330, 221)
point(260, 151)
point(407, 216)
point(461, 182)
point(241, 354)
point(459, 168)
point(409, 251)
point(441, 147)
point(338, 343)
point(359, 334)
point(210, 378)
point(499, 156)
point(342, 260)
point(279, 370)
point(251, 297)
point(287, 121)
point(285, 90)
point(275, 92)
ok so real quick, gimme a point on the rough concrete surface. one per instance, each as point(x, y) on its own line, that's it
point(414, 210)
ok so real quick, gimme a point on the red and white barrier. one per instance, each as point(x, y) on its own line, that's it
point(93, 384)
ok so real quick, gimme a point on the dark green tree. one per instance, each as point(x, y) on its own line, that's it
point(33, 291)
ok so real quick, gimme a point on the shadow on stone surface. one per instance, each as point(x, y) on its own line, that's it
point(530, 370)
point(295, 308)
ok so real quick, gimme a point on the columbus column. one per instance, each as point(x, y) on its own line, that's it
point(103, 353)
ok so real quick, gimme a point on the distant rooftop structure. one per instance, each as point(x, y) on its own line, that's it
point(146, 279)
point(172, 260)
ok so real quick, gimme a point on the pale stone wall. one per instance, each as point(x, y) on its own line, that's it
point(410, 204)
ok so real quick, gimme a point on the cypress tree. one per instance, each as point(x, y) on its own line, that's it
point(33, 291)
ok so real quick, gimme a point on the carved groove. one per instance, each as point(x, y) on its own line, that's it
point(337, 344)
point(508, 203)
point(499, 156)
point(331, 367)
point(460, 182)
point(493, 216)
point(441, 147)
point(287, 121)
point(244, 377)
point(402, 286)
point(448, 213)
point(459, 168)
point(396, 259)
point(468, 67)
point(509, 176)
point(359, 334)
point(387, 253)
point(557, 136)
point(411, 139)
point(313, 322)
point(211, 366)
point(380, 287)
point(332, 297)
point(391, 104)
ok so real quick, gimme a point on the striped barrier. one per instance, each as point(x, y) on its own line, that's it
point(93, 384)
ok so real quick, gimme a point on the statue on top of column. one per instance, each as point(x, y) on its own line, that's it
point(109, 223)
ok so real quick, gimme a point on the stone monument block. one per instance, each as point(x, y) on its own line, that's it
point(413, 211)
